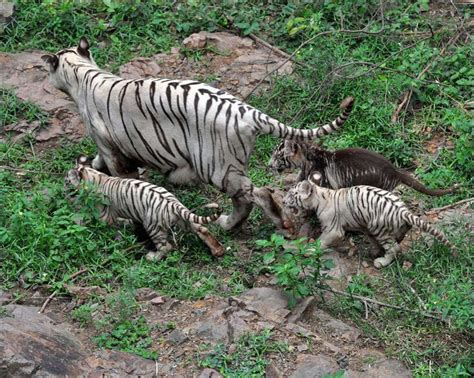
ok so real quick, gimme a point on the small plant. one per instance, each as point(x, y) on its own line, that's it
point(129, 336)
point(296, 264)
point(83, 314)
point(248, 359)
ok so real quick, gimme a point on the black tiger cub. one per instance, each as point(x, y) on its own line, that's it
point(345, 168)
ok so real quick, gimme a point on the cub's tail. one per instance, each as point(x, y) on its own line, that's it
point(425, 226)
point(188, 216)
point(410, 181)
point(268, 125)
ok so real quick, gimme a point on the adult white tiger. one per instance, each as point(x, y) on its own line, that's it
point(183, 128)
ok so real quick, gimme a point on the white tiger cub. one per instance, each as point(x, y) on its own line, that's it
point(185, 129)
point(151, 206)
point(376, 212)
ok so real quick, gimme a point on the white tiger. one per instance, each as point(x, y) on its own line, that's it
point(183, 128)
point(382, 216)
point(148, 205)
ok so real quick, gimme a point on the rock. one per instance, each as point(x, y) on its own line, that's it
point(335, 327)
point(268, 302)
point(145, 294)
point(236, 327)
point(209, 373)
point(314, 366)
point(272, 371)
point(6, 13)
point(212, 331)
point(302, 309)
point(388, 368)
point(140, 68)
point(195, 41)
point(176, 337)
point(384, 368)
point(157, 300)
point(33, 344)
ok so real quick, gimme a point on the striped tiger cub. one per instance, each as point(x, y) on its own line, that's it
point(376, 212)
point(185, 129)
point(148, 205)
point(345, 168)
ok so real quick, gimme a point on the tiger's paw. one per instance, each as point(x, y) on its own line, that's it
point(382, 262)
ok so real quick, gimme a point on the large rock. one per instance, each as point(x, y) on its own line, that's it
point(234, 63)
point(314, 366)
point(268, 302)
point(33, 344)
point(26, 75)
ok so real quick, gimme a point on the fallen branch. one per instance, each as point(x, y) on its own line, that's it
point(290, 57)
point(373, 301)
point(439, 209)
point(276, 50)
point(50, 298)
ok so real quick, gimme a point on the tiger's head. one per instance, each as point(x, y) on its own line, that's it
point(288, 155)
point(61, 64)
point(75, 176)
point(301, 196)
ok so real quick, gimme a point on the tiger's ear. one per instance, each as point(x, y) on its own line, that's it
point(83, 48)
point(82, 161)
point(290, 148)
point(305, 189)
point(316, 178)
point(51, 61)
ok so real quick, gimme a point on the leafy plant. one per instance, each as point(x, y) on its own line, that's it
point(249, 357)
point(129, 336)
point(297, 265)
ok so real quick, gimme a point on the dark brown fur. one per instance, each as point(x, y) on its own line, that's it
point(357, 166)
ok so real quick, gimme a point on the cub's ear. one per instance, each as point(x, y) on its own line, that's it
point(316, 178)
point(51, 60)
point(83, 48)
point(82, 160)
point(305, 189)
point(290, 148)
point(73, 178)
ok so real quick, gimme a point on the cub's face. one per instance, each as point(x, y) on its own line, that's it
point(287, 156)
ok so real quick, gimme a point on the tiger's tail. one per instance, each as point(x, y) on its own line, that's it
point(268, 125)
point(425, 226)
point(189, 216)
point(407, 179)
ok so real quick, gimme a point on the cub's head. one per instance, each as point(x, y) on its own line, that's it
point(288, 155)
point(61, 64)
point(301, 196)
point(75, 176)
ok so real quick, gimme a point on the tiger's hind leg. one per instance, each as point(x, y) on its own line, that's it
point(159, 237)
point(391, 248)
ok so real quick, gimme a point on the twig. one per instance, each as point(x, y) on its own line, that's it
point(50, 298)
point(439, 209)
point(276, 50)
point(290, 57)
point(13, 169)
point(370, 300)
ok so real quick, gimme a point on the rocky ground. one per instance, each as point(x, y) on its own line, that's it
point(49, 344)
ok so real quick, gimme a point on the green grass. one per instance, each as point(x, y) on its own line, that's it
point(249, 357)
point(45, 238)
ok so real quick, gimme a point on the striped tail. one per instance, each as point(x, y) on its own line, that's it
point(188, 216)
point(425, 226)
point(271, 126)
